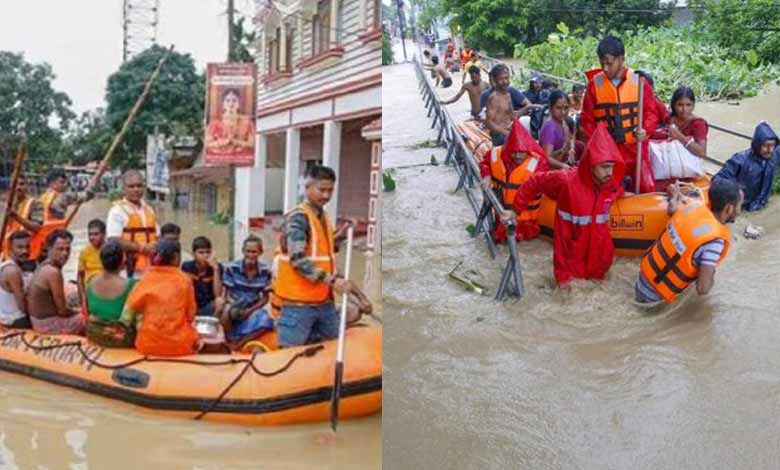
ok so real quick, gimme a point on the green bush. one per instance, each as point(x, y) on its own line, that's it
point(673, 56)
point(387, 49)
point(741, 26)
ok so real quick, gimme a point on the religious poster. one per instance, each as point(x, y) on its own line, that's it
point(230, 114)
point(157, 156)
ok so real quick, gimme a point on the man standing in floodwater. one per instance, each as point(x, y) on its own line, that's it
point(612, 96)
point(694, 243)
point(754, 168)
point(474, 88)
point(582, 244)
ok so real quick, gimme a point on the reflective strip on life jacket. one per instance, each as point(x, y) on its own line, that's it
point(668, 266)
point(619, 107)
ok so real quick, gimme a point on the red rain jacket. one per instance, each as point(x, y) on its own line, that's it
point(518, 140)
point(650, 121)
point(582, 246)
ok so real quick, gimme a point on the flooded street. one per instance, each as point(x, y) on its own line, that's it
point(46, 426)
point(575, 379)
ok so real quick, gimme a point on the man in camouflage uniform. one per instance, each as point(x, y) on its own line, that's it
point(305, 275)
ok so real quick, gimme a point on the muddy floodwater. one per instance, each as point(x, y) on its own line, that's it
point(577, 379)
point(46, 426)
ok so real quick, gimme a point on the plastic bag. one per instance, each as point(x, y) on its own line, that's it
point(670, 159)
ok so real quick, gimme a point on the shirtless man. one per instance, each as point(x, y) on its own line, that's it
point(13, 310)
point(49, 311)
point(441, 72)
point(500, 112)
point(474, 88)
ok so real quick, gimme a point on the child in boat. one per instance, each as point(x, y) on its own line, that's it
point(162, 306)
point(170, 231)
point(50, 312)
point(206, 274)
point(106, 297)
point(246, 283)
point(89, 258)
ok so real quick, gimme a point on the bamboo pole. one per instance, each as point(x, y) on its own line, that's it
point(9, 207)
point(120, 136)
point(638, 172)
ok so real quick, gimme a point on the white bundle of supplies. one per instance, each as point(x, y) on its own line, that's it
point(670, 159)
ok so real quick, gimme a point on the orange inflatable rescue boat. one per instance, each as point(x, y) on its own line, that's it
point(287, 386)
point(636, 221)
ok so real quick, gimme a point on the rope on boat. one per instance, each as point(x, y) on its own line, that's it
point(249, 363)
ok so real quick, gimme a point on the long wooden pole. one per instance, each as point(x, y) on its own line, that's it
point(9, 207)
point(638, 172)
point(125, 127)
point(338, 375)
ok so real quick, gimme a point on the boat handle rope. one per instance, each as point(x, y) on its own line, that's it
point(249, 363)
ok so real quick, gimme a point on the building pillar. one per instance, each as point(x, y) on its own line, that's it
point(249, 195)
point(299, 38)
point(292, 165)
point(372, 281)
point(331, 156)
point(334, 18)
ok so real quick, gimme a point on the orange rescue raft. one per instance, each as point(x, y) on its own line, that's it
point(635, 223)
point(288, 386)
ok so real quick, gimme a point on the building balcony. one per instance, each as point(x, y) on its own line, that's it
point(370, 36)
point(323, 59)
point(276, 78)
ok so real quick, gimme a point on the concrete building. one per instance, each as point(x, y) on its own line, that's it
point(319, 85)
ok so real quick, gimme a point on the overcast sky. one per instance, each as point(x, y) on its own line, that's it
point(82, 39)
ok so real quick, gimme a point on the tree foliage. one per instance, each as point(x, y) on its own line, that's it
point(88, 138)
point(673, 56)
point(29, 104)
point(174, 105)
point(244, 42)
point(497, 25)
point(387, 49)
point(748, 28)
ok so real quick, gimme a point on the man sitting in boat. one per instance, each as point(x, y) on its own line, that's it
point(754, 169)
point(305, 270)
point(503, 106)
point(690, 249)
point(13, 308)
point(170, 231)
point(50, 311)
point(26, 215)
point(162, 306)
point(474, 88)
point(612, 96)
point(246, 282)
point(505, 169)
point(582, 245)
point(133, 224)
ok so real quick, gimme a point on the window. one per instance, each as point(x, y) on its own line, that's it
point(320, 37)
point(273, 52)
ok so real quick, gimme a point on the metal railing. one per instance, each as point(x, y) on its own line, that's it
point(465, 163)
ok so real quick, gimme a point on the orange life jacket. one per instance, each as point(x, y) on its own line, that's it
point(668, 265)
point(139, 232)
point(46, 199)
point(288, 285)
point(619, 107)
point(37, 239)
point(509, 186)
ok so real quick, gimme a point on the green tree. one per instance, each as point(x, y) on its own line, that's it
point(88, 138)
point(497, 25)
point(750, 29)
point(30, 105)
point(244, 42)
point(387, 49)
point(174, 105)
